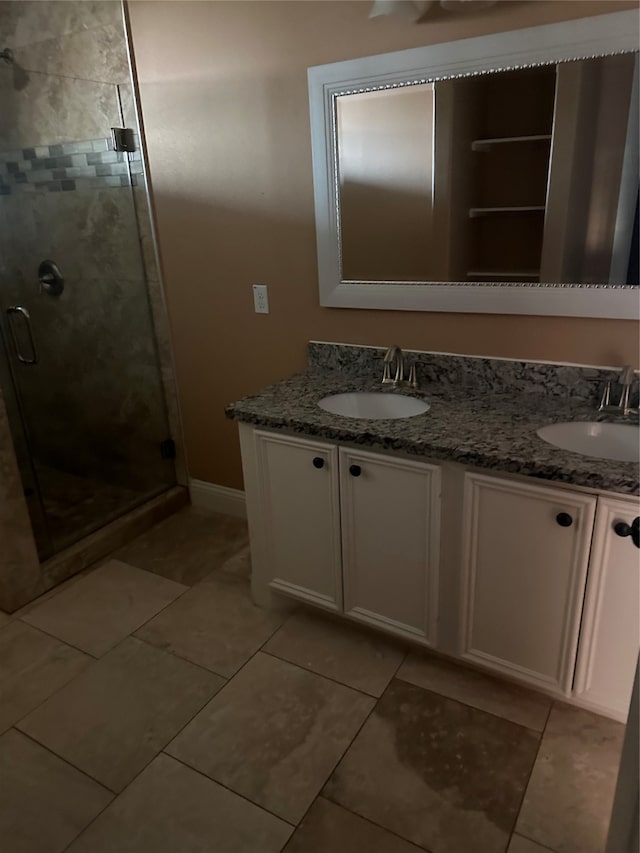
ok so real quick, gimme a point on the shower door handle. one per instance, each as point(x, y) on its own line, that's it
point(11, 312)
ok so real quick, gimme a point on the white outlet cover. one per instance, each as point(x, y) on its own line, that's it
point(260, 298)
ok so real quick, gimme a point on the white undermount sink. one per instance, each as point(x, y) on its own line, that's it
point(373, 405)
point(603, 440)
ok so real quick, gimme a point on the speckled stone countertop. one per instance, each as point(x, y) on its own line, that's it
point(468, 424)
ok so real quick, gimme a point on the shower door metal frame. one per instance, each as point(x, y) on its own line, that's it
point(19, 435)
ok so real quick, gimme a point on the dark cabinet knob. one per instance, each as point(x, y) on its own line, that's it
point(632, 530)
point(318, 462)
point(355, 470)
point(564, 519)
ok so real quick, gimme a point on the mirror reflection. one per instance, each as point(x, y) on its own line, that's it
point(508, 176)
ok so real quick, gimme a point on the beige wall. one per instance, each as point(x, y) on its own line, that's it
point(224, 98)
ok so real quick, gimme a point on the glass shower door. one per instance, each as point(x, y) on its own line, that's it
point(86, 405)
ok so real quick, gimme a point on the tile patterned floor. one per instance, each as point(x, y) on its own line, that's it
point(149, 707)
point(76, 506)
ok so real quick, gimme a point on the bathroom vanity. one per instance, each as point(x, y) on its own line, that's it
point(458, 529)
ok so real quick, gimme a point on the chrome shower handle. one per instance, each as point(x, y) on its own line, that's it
point(18, 309)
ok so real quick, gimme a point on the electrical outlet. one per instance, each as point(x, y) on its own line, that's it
point(260, 299)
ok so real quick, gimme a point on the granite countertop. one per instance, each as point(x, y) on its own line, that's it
point(468, 426)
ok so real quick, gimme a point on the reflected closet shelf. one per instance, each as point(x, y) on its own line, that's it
point(512, 275)
point(488, 144)
point(475, 212)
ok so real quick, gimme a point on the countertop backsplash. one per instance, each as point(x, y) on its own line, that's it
point(495, 375)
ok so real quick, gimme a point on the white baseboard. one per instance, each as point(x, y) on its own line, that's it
point(217, 498)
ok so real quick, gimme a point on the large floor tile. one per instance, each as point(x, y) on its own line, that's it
point(114, 718)
point(215, 625)
point(188, 546)
point(170, 808)
point(4, 618)
point(105, 607)
point(236, 568)
point(519, 844)
point(44, 803)
point(273, 734)
point(32, 667)
point(441, 774)
point(341, 651)
point(51, 593)
point(327, 827)
point(568, 801)
point(522, 706)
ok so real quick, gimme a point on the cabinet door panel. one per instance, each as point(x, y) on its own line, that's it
point(390, 529)
point(301, 517)
point(610, 633)
point(524, 578)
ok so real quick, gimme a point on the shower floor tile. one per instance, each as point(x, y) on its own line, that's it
point(76, 506)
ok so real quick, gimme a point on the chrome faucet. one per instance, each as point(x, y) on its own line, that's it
point(626, 378)
point(394, 353)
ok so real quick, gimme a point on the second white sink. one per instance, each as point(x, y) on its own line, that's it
point(592, 438)
point(373, 405)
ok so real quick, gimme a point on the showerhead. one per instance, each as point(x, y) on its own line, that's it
point(7, 55)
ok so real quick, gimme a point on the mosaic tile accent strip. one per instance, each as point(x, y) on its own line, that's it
point(86, 164)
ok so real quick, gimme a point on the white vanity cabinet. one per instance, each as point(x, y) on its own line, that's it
point(333, 520)
point(526, 549)
point(610, 633)
point(390, 510)
point(299, 517)
point(526, 579)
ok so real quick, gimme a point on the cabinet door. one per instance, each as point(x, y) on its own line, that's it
point(524, 576)
point(390, 529)
point(298, 483)
point(610, 632)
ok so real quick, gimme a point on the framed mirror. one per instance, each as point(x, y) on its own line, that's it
point(494, 175)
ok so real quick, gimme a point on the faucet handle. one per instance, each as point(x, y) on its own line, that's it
point(399, 377)
point(626, 380)
point(412, 380)
point(606, 396)
point(390, 353)
point(627, 376)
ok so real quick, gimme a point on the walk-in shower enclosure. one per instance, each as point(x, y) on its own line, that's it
point(88, 416)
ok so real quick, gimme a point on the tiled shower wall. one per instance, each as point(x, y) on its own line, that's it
point(66, 195)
